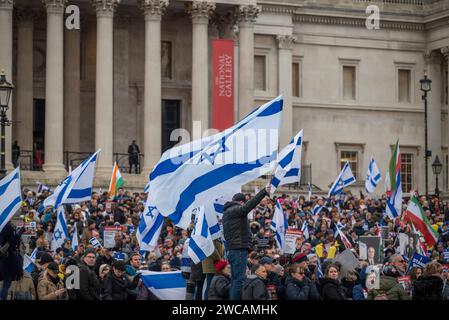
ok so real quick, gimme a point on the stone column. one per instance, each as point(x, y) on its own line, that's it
point(23, 129)
point(200, 12)
point(6, 17)
point(285, 45)
point(445, 53)
point(153, 11)
point(104, 88)
point(433, 66)
point(54, 87)
point(72, 90)
point(247, 16)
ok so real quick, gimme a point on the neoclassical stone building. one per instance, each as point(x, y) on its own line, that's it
point(136, 69)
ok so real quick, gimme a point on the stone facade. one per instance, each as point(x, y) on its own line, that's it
point(130, 55)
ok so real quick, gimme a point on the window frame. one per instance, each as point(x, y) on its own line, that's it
point(405, 66)
point(265, 52)
point(359, 149)
point(347, 62)
point(299, 61)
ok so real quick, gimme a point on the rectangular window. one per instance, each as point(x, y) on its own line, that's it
point(351, 157)
point(296, 92)
point(260, 73)
point(407, 171)
point(404, 85)
point(349, 82)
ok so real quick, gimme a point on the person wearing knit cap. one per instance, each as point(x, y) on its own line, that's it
point(221, 282)
point(273, 279)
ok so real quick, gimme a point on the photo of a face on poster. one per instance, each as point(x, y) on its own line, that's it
point(412, 245)
point(372, 245)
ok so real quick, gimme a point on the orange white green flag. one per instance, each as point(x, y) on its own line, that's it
point(116, 181)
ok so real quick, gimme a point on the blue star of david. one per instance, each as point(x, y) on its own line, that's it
point(210, 156)
point(58, 234)
point(150, 211)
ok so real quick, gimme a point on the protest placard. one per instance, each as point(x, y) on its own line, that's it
point(109, 236)
point(291, 238)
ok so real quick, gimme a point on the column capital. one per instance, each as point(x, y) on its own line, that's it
point(286, 41)
point(225, 23)
point(431, 57)
point(6, 4)
point(445, 53)
point(55, 6)
point(154, 9)
point(200, 11)
point(247, 14)
point(105, 8)
point(26, 16)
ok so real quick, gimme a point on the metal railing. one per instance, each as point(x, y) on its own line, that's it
point(74, 159)
point(27, 161)
point(123, 164)
point(406, 2)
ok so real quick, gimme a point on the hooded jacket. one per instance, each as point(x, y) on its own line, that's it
point(254, 289)
point(301, 290)
point(389, 286)
point(219, 288)
point(235, 222)
point(332, 289)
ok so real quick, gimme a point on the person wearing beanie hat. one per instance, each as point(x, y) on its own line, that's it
point(50, 286)
point(221, 282)
point(237, 235)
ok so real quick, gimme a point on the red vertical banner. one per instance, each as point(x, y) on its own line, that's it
point(223, 84)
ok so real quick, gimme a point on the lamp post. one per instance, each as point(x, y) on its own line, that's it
point(425, 87)
point(6, 89)
point(436, 168)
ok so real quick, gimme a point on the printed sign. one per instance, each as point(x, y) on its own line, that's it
point(372, 246)
point(406, 283)
point(109, 236)
point(418, 261)
point(292, 236)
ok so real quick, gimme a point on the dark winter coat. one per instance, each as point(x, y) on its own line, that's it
point(301, 290)
point(89, 285)
point(389, 286)
point(274, 279)
point(235, 222)
point(116, 288)
point(219, 288)
point(254, 289)
point(428, 288)
point(332, 289)
point(11, 263)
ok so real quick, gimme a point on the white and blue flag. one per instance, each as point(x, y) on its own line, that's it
point(195, 173)
point(95, 242)
point(372, 177)
point(150, 227)
point(201, 244)
point(147, 187)
point(165, 285)
point(305, 230)
point(11, 197)
point(279, 225)
point(75, 239)
point(344, 179)
point(212, 222)
point(309, 191)
point(42, 187)
point(61, 231)
point(77, 186)
point(33, 255)
point(28, 264)
point(289, 164)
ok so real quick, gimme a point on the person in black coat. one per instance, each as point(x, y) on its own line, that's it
point(11, 261)
point(238, 236)
point(298, 286)
point(430, 285)
point(254, 287)
point(273, 279)
point(331, 288)
point(117, 285)
point(90, 287)
point(221, 282)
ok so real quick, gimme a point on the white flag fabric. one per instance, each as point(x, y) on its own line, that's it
point(344, 179)
point(61, 232)
point(28, 264)
point(165, 285)
point(372, 177)
point(11, 197)
point(201, 244)
point(212, 222)
point(75, 240)
point(305, 230)
point(194, 173)
point(95, 242)
point(77, 186)
point(279, 225)
point(288, 169)
point(150, 226)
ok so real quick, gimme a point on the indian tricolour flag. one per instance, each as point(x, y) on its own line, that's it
point(116, 181)
point(416, 216)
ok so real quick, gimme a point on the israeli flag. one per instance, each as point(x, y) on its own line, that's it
point(212, 222)
point(75, 238)
point(201, 244)
point(95, 242)
point(194, 173)
point(309, 190)
point(165, 285)
point(150, 227)
point(344, 179)
point(372, 177)
point(305, 230)
point(11, 197)
point(33, 255)
point(147, 187)
point(61, 232)
point(319, 269)
point(28, 264)
point(279, 225)
point(77, 186)
point(289, 164)
point(42, 187)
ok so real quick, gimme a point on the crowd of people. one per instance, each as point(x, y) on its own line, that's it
point(246, 264)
